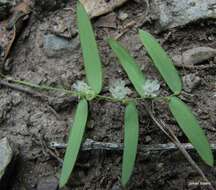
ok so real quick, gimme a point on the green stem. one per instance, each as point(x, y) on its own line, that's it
point(78, 94)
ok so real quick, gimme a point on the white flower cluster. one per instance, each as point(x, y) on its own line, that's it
point(118, 89)
point(151, 88)
point(82, 87)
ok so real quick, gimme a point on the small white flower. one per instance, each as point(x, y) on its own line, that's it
point(151, 88)
point(118, 89)
point(82, 87)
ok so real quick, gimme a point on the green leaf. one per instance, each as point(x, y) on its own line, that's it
point(74, 141)
point(161, 61)
point(128, 63)
point(191, 128)
point(131, 135)
point(90, 52)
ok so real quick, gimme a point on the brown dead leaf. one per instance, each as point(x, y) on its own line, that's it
point(99, 7)
point(11, 27)
point(22, 7)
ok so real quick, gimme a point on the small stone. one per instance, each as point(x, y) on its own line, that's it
point(190, 82)
point(6, 155)
point(160, 165)
point(198, 55)
point(173, 13)
point(123, 16)
point(55, 46)
point(48, 183)
point(195, 56)
point(116, 186)
point(148, 139)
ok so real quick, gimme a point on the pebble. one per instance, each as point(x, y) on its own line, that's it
point(48, 183)
point(174, 13)
point(148, 139)
point(195, 56)
point(190, 82)
point(6, 155)
point(116, 186)
point(123, 16)
point(56, 46)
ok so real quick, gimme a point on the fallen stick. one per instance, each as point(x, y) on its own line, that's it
point(22, 89)
point(90, 144)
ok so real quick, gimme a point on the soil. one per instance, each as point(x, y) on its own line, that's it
point(32, 123)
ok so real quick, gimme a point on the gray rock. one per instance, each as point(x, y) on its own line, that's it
point(190, 82)
point(55, 46)
point(6, 155)
point(195, 56)
point(48, 183)
point(148, 139)
point(173, 13)
point(116, 186)
point(122, 16)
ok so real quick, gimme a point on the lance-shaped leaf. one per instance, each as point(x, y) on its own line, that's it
point(132, 69)
point(90, 52)
point(161, 61)
point(191, 128)
point(131, 133)
point(74, 141)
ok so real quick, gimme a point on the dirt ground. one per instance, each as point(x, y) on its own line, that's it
point(32, 123)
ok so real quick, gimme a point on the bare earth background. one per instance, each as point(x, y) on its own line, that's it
point(48, 52)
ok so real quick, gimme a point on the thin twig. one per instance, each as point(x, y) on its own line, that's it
point(170, 134)
point(23, 89)
point(90, 144)
point(30, 92)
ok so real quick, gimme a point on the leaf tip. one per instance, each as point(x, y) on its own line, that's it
point(62, 183)
point(110, 40)
point(78, 4)
point(142, 32)
point(210, 160)
point(124, 180)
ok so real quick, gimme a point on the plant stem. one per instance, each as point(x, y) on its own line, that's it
point(79, 94)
